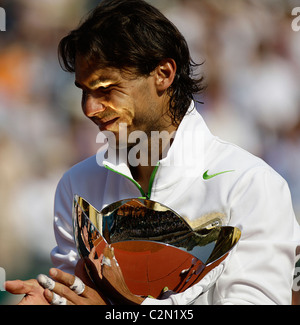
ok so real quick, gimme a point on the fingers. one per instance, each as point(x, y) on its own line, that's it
point(63, 280)
point(66, 290)
point(96, 266)
point(108, 251)
point(56, 299)
point(106, 261)
point(55, 293)
point(62, 277)
point(78, 286)
point(108, 257)
point(94, 270)
point(92, 254)
point(45, 282)
point(109, 279)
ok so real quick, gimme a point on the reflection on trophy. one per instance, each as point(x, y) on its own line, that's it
point(154, 246)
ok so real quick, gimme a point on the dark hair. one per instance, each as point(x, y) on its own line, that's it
point(126, 34)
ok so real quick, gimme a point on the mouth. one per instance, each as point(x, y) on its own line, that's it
point(105, 125)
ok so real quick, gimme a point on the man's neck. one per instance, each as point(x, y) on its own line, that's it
point(152, 150)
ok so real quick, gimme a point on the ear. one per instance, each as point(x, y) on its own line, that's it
point(164, 74)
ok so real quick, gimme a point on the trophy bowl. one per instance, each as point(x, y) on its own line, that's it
point(154, 246)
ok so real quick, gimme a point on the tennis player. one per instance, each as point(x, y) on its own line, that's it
point(136, 76)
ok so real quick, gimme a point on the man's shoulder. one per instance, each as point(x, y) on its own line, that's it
point(88, 165)
point(226, 156)
point(219, 154)
point(87, 169)
point(229, 153)
point(85, 179)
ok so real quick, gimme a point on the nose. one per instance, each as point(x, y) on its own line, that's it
point(92, 106)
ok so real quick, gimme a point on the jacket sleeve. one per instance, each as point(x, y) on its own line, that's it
point(261, 269)
point(64, 256)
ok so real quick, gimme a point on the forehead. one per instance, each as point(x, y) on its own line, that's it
point(88, 73)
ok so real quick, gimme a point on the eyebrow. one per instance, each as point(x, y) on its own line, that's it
point(103, 81)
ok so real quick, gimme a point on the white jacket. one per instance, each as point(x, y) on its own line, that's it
point(252, 197)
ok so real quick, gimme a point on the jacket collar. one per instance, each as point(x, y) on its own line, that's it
point(185, 157)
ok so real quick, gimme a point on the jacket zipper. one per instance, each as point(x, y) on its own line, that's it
point(144, 195)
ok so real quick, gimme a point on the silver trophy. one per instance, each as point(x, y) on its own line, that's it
point(154, 246)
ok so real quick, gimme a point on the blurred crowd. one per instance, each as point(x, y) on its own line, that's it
point(251, 62)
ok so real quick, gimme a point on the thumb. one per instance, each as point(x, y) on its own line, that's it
point(19, 287)
point(15, 287)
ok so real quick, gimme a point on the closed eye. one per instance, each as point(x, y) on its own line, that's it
point(104, 88)
point(78, 85)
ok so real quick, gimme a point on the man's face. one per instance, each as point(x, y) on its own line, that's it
point(111, 97)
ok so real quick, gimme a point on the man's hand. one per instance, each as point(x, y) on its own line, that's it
point(62, 288)
point(109, 285)
point(34, 293)
point(107, 275)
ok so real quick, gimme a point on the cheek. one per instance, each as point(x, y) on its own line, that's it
point(136, 108)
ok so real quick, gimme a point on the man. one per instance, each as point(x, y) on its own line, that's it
point(135, 72)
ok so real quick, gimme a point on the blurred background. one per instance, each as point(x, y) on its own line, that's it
point(251, 62)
